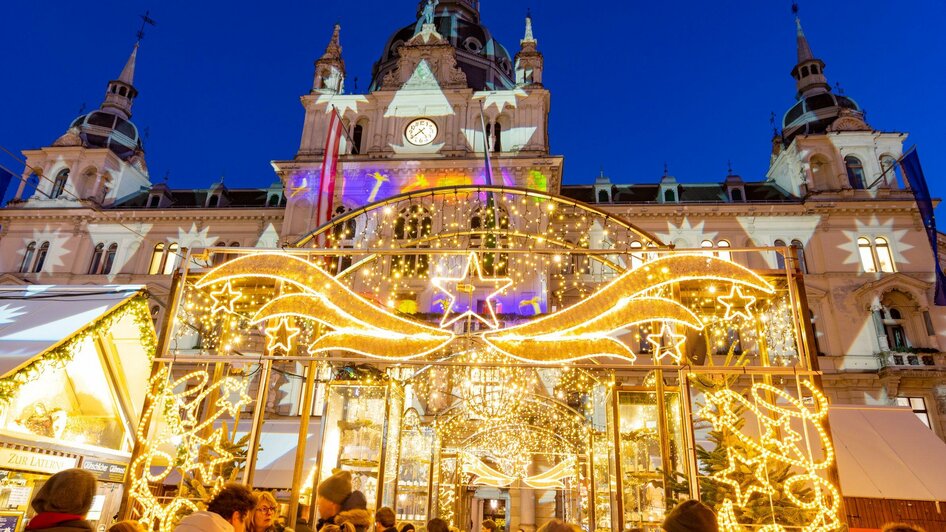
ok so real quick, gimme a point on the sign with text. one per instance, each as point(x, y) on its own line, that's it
point(106, 471)
point(35, 462)
point(9, 521)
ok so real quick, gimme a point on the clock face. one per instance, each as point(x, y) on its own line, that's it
point(421, 131)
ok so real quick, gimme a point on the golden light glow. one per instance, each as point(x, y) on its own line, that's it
point(224, 299)
point(676, 342)
point(737, 304)
point(280, 335)
point(467, 283)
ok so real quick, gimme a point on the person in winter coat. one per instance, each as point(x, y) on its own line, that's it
point(691, 516)
point(264, 517)
point(63, 501)
point(354, 512)
point(384, 520)
point(227, 512)
point(330, 495)
point(901, 527)
point(126, 526)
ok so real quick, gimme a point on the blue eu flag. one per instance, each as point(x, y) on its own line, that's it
point(910, 163)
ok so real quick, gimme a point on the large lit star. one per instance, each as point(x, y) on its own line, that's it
point(737, 304)
point(280, 335)
point(672, 348)
point(465, 287)
point(225, 298)
point(731, 476)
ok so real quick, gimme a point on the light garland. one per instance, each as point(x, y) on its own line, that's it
point(58, 357)
point(737, 304)
point(778, 444)
point(201, 450)
point(280, 335)
point(676, 343)
point(465, 283)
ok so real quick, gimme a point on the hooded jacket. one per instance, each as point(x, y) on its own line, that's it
point(204, 522)
point(359, 518)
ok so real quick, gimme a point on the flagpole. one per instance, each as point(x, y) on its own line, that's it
point(884, 173)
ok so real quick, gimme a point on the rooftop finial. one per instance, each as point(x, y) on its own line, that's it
point(145, 20)
point(666, 169)
point(729, 165)
point(529, 37)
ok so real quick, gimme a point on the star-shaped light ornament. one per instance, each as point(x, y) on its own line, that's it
point(671, 347)
point(225, 299)
point(463, 290)
point(737, 304)
point(759, 484)
point(281, 335)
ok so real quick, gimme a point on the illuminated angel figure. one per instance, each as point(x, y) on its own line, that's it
point(428, 15)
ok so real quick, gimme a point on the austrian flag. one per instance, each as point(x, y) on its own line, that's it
point(333, 139)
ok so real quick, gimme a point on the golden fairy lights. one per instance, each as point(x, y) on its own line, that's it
point(461, 292)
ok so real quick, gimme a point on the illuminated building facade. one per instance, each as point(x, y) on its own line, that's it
point(833, 193)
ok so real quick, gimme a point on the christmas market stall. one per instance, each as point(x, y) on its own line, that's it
point(482, 352)
point(74, 363)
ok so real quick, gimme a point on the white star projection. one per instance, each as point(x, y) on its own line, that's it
point(692, 235)
point(500, 98)
point(420, 96)
point(514, 138)
point(193, 238)
point(872, 229)
point(341, 102)
point(57, 247)
point(765, 231)
point(9, 314)
point(119, 234)
point(269, 238)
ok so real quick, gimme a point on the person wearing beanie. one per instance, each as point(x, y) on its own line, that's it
point(353, 514)
point(488, 526)
point(691, 516)
point(330, 495)
point(901, 527)
point(384, 520)
point(63, 501)
point(227, 512)
point(437, 525)
point(127, 525)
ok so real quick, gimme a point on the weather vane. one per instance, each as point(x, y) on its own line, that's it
point(795, 8)
point(145, 20)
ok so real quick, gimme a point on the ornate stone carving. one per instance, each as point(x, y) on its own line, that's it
point(70, 138)
point(425, 61)
point(849, 120)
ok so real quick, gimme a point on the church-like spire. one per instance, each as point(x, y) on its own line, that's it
point(121, 92)
point(528, 37)
point(529, 61)
point(809, 71)
point(330, 68)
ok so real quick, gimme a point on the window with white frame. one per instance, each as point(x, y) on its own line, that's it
point(637, 259)
point(721, 245)
point(164, 258)
point(875, 255)
point(918, 405)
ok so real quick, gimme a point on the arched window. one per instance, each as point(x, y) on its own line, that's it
point(356, 135)
point(154, 201)
point(884, 257)
point(28, 257)
point(59, 185)
point(412, 223)
point(109, 258)
point(804, 71)
point(814, 69)
point(482, 221)
point(171, 258)
point(670, 195)
point(800, 253)
point(736, 194)
point(41, 257)
point(96, 262)
point(725, 255)
point(779, 257)
point(213, 201)
point(157, 259)
point(498, 138)
point(603, 196)
point(273, 200)
point(636, 258)
point(707, 244)
point(855, 172)
point(867, 255)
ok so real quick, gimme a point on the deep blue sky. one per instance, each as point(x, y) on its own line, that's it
point(634, 84)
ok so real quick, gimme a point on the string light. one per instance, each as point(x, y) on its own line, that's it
point(466, 284)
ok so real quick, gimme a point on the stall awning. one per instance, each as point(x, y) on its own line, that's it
point(35, 318)
point(275, 462)
point(887, 453)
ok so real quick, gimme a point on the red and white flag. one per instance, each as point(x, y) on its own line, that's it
point(333, 137)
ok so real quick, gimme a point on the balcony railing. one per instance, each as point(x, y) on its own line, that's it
point(902, 359)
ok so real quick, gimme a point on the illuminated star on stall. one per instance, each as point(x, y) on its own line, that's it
point(224, 299)
point(737, 304)
point(280, 336)
point(672, 347)
point(464, 288)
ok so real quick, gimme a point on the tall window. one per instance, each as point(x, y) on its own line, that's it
point(724, 254)
point(636, 258)
point(875, 256)
point(59, 185)
point(779, 257)
point(893, 326)
point(157, 259)
point(918, 405)
point(28, 255)
point(480, 223)
point(343, 236)
point(707, 244)
point(96, 262)
point(171, 258)
point(41, 257)
point(109, 258)
point(855, 171)
point(356, 135)
point(412, 223)
point(498, 138)
point(892, 175)
point(800, 253)
point(670, 195)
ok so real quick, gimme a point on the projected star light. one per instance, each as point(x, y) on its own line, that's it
point(462, 290)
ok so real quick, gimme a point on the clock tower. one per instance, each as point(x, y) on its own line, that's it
point(442, 93)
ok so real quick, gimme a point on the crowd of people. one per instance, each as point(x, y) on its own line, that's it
point(63, 502)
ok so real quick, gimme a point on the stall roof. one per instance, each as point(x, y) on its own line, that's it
point(35, 318)
point(887, 453)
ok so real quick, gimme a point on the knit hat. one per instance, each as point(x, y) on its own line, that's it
point(66, 492)
point(356, 500)
point(385, 517)
point(691, 516)
point(336, 488)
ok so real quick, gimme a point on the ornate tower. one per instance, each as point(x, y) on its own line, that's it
point(529, 60)
point(330, 68)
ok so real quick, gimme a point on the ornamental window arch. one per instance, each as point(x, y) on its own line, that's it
point(59, 183)
point(891, 172)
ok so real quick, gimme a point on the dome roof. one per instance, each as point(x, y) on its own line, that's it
point(813, 114)
point(102, 129)
point(486, 63)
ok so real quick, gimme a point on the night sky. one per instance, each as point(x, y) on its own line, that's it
point(634, 84)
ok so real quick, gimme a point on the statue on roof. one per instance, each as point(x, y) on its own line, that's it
point(428, 14)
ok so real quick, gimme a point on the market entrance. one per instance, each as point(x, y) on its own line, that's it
point(472, 345)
